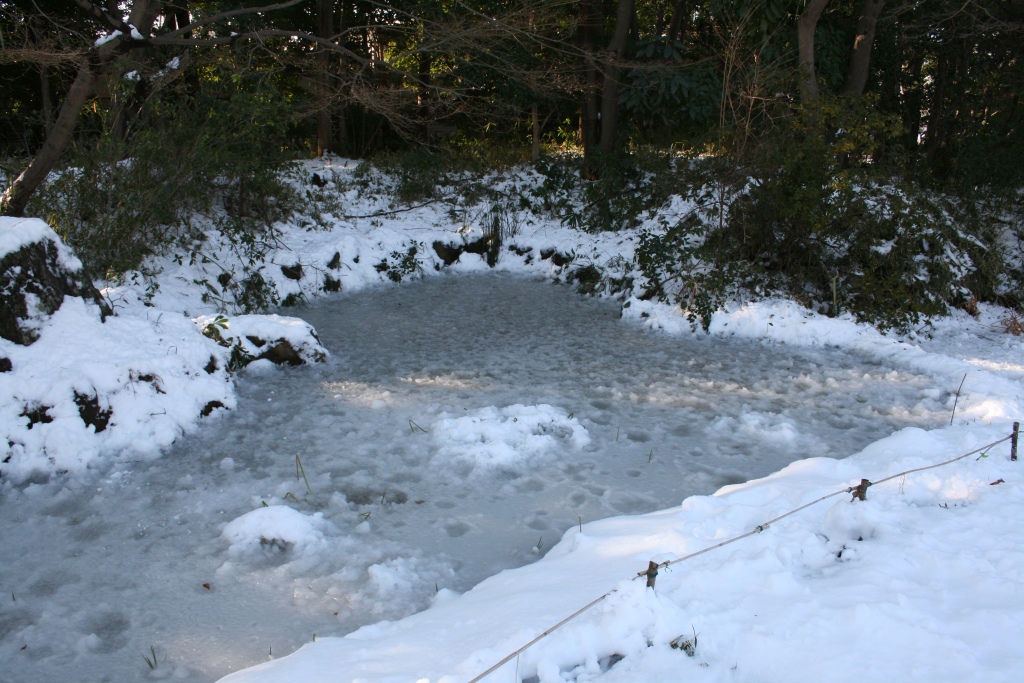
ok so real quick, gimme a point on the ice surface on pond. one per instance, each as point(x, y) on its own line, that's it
point(461, 426)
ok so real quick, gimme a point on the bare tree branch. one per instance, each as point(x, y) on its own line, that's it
point(212, 19)
point(256, 35)
point(116, 23)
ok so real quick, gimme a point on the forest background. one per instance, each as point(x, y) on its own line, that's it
point(860, 156)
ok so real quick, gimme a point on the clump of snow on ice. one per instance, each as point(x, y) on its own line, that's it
point(492, 437)
point(758, 426)
point(396, 580)
point(276, 529)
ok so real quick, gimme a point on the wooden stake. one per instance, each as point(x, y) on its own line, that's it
point(652, 573)
point(1013, 441)
point(861, 492)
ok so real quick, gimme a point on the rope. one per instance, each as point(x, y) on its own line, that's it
point(865, 484)
point(931, 467)
point(551, 630)
point(758, 529)
point(851, 489)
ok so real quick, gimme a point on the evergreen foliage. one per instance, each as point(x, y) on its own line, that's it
point(893, 197)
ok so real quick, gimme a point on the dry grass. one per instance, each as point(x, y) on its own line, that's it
point(1012, 324)
point(972, 307)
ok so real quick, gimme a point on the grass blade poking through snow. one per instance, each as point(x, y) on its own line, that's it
point(953, 414)
point(299, 468)
point(151, 663)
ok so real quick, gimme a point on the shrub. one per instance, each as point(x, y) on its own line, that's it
point(820, 218)
point(623, 188)
point(208, 153)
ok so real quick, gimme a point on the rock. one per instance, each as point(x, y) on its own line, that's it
point(210, 407)
point(448, 253)
point(486, 247)
point(292, 272)
point(556, 258)
point(280, 352)
point(37, 415)
point(36, 272)
point(91, 413)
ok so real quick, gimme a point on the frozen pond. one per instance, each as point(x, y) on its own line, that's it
point(461, 427)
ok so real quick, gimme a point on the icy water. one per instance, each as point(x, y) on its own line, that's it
point(420, 449)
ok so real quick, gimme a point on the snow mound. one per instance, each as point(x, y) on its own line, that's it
point(275, 529)
point(754, 425)
point(493, 438)
point(277, 338)
point(88, 388)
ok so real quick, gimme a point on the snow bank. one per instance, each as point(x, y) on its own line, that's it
point(88, 388)
point(985, 396)
point(377, 243)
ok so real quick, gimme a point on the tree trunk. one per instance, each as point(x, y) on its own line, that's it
point(45, 97)
point(588, 30)
point(680, 20)
point(535, 142)
point(175, 18)
point(325, 142)
point(934, 137)
point(660, 22)
point(913, 89)
point(805, 25)
point(613, 71)
point(17, 194)
point(142, 15)
point(341, 136)
point(860, 59)
point(423, 91)
point(341, 119)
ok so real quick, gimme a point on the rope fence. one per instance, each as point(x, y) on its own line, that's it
point(651, 573)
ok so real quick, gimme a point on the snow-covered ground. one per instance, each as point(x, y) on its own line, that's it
point(476, 422)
